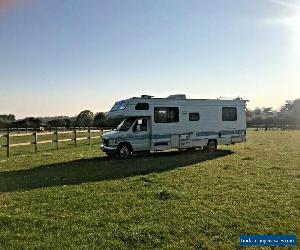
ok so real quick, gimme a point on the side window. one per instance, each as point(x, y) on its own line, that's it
point(166, 114)
point(229, 114)
point(142, 106)
point(143, 124)
point(194, 116)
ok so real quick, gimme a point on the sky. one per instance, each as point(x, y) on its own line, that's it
point(62, 57)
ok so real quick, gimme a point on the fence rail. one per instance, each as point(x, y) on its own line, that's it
point(35, 138)
point(271, 127)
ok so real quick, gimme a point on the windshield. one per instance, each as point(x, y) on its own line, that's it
point(126, 124)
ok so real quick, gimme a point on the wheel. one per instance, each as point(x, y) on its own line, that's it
point(211, 146)
point(124, 152)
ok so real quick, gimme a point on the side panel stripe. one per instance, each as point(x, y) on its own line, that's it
point(198, 134)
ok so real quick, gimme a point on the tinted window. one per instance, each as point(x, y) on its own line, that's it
point(142, 106)
point(166, 114)
point(126, 124)
point(194, 116)
point(143, 124)
point(229, 114)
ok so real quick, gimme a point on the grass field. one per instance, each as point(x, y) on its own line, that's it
point(78, 198)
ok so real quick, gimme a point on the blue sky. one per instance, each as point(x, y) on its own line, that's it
point(61, 57)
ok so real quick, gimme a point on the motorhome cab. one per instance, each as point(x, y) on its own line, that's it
point(155, 124)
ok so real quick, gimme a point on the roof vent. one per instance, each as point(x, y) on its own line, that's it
point(146, 96)
point(177, 97)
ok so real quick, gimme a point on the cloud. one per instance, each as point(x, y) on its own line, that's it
point(292, 20)
point(282, 21)
point(287, 4)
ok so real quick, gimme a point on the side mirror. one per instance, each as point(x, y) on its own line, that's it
point(138, 128)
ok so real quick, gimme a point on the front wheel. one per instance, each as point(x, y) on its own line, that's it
point(124, 152)
point(211, 146)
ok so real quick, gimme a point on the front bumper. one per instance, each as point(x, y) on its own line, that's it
point(109, 149)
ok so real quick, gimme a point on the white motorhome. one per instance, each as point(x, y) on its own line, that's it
point(155, 124)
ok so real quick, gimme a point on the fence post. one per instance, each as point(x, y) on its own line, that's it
point(75, 137)
point(56, 138)
point(8, 143)
point(35, 140)
point(89, 137)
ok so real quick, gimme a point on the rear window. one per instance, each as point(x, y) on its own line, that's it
point(229, 114)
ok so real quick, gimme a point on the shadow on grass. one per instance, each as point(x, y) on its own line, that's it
point(100, 168)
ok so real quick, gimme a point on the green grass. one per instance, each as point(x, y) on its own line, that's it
point(78, 198)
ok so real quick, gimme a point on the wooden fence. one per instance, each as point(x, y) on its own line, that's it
point(35, 136)
point(273, 127)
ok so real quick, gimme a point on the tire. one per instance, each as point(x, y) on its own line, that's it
point(211, 146)
point(124, 152)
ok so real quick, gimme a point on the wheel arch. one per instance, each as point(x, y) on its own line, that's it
point(214, 140)
point(125, 143)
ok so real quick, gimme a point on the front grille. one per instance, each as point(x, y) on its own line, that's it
point(105, 142)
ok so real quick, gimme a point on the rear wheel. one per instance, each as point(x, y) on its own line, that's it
point(211, 146)
point(124, 151)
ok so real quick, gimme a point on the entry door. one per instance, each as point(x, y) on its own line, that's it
point(141, 134)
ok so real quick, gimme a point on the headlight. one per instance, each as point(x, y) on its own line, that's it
point(112, 141)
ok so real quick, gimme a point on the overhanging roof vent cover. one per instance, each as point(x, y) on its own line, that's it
point(146, 96)
point(177, 97)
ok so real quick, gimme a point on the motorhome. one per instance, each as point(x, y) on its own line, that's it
point(175, 122)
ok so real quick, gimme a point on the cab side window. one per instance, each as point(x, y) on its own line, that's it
point(142, 122)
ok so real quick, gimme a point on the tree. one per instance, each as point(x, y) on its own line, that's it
point(9, 117)
point(296, 108)
point(28, 122)
point(257, 111)
point(57, 123)
point(290, 113)
point(68, 122)
point(99, 119)
point(3, 124)
point(7, 120)
point(287, 107)
point(33, 122)
point(85, 119)
point(268, 111)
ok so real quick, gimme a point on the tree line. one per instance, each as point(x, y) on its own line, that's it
point(85, 119)
point(287, 116)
